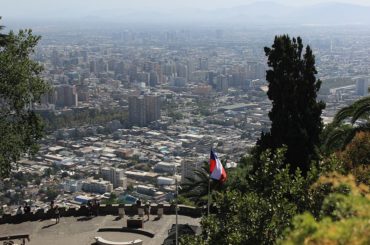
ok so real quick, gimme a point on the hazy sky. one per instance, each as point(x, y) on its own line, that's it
point(140, 9)
point(17, 8)
point(7, 5)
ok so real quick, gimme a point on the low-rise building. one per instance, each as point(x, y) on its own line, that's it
point(166, 167)
point(97, 186)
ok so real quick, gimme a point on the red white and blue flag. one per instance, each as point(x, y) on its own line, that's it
point(216, 169)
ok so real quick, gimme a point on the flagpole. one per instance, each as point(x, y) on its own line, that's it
point(177, 198)
point(209, 194)
point(209, 190)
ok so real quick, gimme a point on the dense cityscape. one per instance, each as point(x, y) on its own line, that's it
point(131, 111)
point(185, 123)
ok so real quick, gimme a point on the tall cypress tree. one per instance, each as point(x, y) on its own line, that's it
point(295, 113)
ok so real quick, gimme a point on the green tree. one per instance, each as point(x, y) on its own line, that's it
point(37, 181)
point(47, 173)
point(196, 188)
point(345, 216)
point(332, 138)
point(295, 113)
point(20, 87)
point(358, 115)
point(51, 194)
point(185, 201)
point(260, 213)
point(356, 157)
point(357, 152)
point(112, 199)
point(113, 196)
point(130, 188)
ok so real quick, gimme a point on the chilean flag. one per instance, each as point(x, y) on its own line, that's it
point(216, 169)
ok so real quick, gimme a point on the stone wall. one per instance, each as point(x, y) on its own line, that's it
point(102, 210)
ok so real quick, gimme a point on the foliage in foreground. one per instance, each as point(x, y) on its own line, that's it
point(273, 204)
point(345, 216)
point(356, 157)
point(20, 87)
point(261, 213)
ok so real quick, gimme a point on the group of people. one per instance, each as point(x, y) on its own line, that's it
point(93, 207)
point(26, 209)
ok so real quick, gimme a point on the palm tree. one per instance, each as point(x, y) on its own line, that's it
point(196, 188)
point(347, 122)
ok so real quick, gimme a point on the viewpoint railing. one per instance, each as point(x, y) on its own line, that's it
point(102, 210)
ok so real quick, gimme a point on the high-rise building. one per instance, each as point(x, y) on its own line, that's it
point(203, 64)
point(255, 70)
point(153, 79)
point(84, 55)
point(362, 86)
point(143, 77)
point(182, 70)
point(102, 66)
point(191, 65)
point(144, 109)
point(93, 66)
point(149, 66)
point(83, 93)
point(132, 72)
point(169, 69)
point(137, 112)
point(50, 97)
point(115, 176)
point(211, 78)
point(55, 58)
point(112, 65)
point(222, 83)
point(66, 95)
point(152, 108)
point(179, 82)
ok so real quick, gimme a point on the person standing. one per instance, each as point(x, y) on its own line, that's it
point(26, 208)
point(89, 208)
point(19, 210)
point(97, 207)
point(57, 214)
point(147, 209)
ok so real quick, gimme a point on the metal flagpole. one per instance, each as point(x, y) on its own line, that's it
point(209, 187)
point(177, 229)
point(209, 194)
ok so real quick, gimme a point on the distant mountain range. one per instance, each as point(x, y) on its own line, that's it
point(320, 14)
point(259, 13)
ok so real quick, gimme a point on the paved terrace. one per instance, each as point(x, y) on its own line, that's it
point(82, 230)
